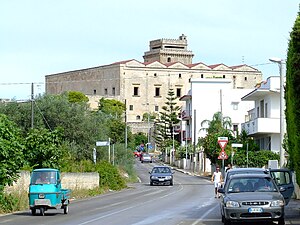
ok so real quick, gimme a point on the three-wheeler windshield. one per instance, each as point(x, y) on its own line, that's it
point(43, 177)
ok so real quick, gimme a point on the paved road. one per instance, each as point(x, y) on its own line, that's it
point(189, 202)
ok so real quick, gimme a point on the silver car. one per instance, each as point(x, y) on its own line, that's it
point(251, 197)
point(282, 178)
point(161, 175)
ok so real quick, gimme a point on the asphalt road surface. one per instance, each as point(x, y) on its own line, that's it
point(189, 202)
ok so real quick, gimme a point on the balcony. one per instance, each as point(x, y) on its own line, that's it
point(186, 115)
point(262, 126)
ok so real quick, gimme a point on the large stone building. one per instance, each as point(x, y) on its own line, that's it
point(144, 85)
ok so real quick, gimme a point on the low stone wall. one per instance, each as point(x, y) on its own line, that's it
point(80, 180)
point(68, 180)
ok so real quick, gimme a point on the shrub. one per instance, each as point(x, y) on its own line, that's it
point(110, 176)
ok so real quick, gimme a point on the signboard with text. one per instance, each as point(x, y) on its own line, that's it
point(222, 142)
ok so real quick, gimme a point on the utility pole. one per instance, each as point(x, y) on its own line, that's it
point(125, 125)
point(32, 105)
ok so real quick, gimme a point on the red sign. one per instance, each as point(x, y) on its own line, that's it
point(222, 144)
point(223, 155)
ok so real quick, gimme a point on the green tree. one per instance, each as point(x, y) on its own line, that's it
point(292, 98)
point(168, 118)
point(112, 107)
point(43, 148)
point(149, 117)
point(19, 113)
point(76, 97)
point(219, 126)
point(11, 151)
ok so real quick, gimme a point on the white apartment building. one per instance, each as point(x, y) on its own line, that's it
point(263, 120)
point(208, 96)
point(205, 98)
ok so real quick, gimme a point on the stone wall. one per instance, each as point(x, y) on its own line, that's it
point(69, 180)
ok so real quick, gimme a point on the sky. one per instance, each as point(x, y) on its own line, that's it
point(42, 37)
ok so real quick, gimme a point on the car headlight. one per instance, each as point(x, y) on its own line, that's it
point(232, 204)
point(277, 203)
point(153, 177)
point(168, 177)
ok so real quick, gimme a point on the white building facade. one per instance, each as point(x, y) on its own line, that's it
point(205, 98)
point(263, 120)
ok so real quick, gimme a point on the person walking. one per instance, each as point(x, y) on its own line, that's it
point(217, 179)
point(229, 166)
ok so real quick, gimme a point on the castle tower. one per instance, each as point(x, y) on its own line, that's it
point(169, 50)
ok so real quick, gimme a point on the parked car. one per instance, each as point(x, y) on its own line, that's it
point(161, 175)
point(146, 158)
point(137, 153)
point(251, 197)
point(282, 177)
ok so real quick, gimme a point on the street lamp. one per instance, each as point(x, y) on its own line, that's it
point(282, 124)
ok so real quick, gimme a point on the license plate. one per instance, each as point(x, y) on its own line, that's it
point(255, 210)
point(161, 179)
point(42, 202)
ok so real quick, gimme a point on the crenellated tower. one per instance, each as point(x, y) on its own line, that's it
point(169, 51)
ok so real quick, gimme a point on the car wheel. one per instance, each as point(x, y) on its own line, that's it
point(151, 183)
point(171, 183)
point(281, 221)
point(226, 221)
point(142, 161)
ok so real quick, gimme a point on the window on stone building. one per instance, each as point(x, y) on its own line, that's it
point(113, 91)
point(105, 91)
point(156, 108)
point(245, 78)
point(136, 91)
point(179, 75)
point(130, 107)
point(138, 117)
point(155, 74)
point(178, 92)
point(95, 91)
point(223, 76)
point(157, 92)
point(201, 75)
point(169, 59)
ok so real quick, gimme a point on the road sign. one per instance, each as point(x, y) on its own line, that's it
point(102, 143)
point(222, 138)
point(222, 142)
point(236, 145)
point(223, 155)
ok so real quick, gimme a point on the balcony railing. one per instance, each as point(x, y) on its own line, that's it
point(186, 114)
point(262, 126)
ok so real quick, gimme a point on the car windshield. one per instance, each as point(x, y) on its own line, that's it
point(251, 184)
point(231, 173)
point(161, 170)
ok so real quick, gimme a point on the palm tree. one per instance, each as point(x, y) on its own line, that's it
point(217, 124)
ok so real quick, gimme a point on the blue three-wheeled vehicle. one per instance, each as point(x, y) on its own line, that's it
point(45, 191)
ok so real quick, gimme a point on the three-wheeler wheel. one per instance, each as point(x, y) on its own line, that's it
point(66, 209)
point(33, 211)
point(42, 211)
